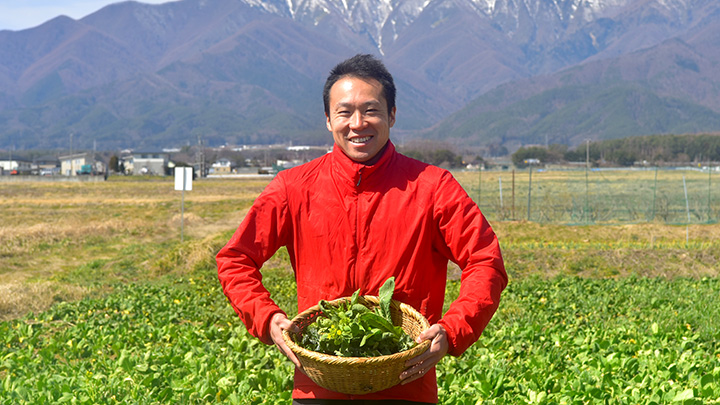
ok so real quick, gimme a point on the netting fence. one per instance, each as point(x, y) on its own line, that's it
point(592, 196)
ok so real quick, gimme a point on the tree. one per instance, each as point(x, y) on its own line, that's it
point(525, 156)
point(113, 164)
point(623, 157)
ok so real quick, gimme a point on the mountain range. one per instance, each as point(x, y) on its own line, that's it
point(493, 74)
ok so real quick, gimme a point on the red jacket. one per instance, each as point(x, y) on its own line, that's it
point(348, 226)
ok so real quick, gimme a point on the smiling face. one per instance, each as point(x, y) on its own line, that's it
point(359, 118)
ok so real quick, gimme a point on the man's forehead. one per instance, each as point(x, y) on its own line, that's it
point(351, 85)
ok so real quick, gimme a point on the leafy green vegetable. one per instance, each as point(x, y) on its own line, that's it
point(385, 295)
point(351, 329)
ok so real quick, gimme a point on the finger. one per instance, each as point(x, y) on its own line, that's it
point(427, 334)
point(284, 349)
point(435, 351)
point(289, 354)
point(277, 326)
point(409, 372)
point(420, 358)
point(412, 375)
point(288, 325)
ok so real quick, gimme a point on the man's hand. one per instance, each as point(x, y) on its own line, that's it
point(420, 365)
point(278, 323)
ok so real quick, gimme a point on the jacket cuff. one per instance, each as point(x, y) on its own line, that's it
point(265, 336)
point(453, 349)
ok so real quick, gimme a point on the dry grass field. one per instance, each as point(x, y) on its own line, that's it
point(64, 241)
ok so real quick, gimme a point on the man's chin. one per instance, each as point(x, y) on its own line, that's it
point(362, 153)
point(360, 157)
point(366, 156)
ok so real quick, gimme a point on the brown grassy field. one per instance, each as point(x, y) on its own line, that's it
point(65, 241)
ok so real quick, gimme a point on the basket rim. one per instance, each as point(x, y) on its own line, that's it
point(329, 358)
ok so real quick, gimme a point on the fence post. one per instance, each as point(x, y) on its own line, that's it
point(529, 191)
point(513, 195)
point(587, 169)
point(587, 197)
point(652, 216)
point(502, 209)
point(709, 192)
point(687, 209)
point(480, 185)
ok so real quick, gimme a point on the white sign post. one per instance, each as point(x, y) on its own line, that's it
point(183, 181)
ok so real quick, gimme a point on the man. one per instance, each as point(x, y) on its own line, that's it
point(355, 217)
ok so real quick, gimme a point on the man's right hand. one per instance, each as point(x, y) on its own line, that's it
point(278, 323)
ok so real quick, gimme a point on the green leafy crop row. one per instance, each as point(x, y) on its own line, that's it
point(567, 340)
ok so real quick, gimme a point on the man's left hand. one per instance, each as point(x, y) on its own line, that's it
point(420, 365)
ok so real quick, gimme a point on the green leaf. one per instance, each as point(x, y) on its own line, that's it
point(325, 307)
point(358, 309)
point(684, 395)
point(377, 321)
point(385, 295)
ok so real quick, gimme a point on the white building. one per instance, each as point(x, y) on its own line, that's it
point(155, 163)
point(221, 166)
point(81, 163)
point(19, 165)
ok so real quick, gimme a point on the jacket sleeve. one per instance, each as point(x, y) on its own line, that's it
point(471, 243)
point(257, 238)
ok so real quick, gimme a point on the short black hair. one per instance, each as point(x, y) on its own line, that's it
point(363, 66)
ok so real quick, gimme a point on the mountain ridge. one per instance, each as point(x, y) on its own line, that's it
point(247, 71)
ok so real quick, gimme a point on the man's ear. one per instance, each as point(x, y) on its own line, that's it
point(327, 122)
point(391, 117)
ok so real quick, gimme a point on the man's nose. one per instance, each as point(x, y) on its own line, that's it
point(357, 120)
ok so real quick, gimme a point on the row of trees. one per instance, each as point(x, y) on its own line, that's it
point(648, 150)
point(437, 153)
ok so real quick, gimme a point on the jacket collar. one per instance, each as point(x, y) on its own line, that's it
point(356, 172)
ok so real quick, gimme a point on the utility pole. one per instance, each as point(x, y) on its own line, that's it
point(72, 161)
point(587, 169)
point(201, 156)
point(529, 190)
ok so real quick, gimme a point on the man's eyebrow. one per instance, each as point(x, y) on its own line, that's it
point(342, 104)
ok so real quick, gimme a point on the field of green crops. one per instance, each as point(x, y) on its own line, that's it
point(565, 340)
point(606, 315)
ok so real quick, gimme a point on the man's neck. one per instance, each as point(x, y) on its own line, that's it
point(377, 156)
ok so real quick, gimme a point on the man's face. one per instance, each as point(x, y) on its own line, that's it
point(359, 118)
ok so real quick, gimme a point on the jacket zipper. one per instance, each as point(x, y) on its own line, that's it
point(358, 237)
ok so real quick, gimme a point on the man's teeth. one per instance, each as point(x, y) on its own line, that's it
point(360, 140)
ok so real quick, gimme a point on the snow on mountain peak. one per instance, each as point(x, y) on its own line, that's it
point(375, 18)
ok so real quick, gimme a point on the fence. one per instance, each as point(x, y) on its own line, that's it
point(590, 196)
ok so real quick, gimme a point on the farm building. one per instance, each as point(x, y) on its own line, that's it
point(139, 163)
point(15, 166)
point(221, 166)
point(85, 163)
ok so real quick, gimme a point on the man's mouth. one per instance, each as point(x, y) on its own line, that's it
point(360, 140)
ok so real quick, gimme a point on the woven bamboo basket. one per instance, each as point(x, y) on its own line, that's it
point(359, 375)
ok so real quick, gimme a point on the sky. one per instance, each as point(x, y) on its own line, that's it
point(21, 14)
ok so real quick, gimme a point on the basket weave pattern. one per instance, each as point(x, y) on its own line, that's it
point(359, 375)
